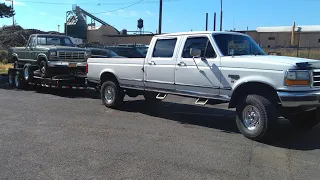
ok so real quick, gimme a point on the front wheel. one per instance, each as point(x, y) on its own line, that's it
point(255, 116)
point(44, 69)
point(111, 94)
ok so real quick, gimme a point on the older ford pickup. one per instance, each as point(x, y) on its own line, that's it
point(225, 66)
point(50, 54)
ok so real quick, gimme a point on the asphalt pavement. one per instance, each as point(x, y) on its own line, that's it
point(45, 134)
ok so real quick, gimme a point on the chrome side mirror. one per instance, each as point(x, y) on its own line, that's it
point(195, 52)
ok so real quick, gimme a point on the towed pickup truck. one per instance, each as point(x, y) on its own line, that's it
point(226, 66)
point(51, 54)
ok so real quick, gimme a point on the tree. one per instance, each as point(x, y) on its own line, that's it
point(6, 11)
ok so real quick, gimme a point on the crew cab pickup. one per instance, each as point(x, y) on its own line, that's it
point(226, 66)
point(51, 54)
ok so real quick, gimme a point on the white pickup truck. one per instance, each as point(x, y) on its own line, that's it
point(225, 66)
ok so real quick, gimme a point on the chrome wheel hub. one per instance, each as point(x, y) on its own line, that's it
point(251, 117)
point(109, 94)
point(26, 73)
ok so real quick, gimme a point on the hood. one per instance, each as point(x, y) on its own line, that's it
point(269, 62)
point(62, 48)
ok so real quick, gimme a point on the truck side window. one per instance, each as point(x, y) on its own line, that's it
point(201, 43)
point(164, 48)
point(32, 42)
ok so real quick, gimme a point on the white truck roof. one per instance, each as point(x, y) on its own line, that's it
point(198, 32)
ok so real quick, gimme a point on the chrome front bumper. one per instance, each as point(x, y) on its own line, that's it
point(66, 64)
point(299, 99)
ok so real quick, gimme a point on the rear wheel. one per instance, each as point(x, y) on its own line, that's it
point(255, 117)
point(111, 94)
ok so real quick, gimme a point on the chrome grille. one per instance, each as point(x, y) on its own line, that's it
point(316, 78)
point(71, 56)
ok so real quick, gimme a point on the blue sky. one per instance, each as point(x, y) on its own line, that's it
point(178, 15)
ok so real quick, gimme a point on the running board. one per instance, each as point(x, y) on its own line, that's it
point(161, 96)
point(201, 101)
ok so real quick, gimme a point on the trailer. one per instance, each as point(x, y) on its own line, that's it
point(21, 78)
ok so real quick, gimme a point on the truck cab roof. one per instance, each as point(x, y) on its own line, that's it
point(198, 32)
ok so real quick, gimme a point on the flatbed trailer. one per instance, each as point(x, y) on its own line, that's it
point(20, 79)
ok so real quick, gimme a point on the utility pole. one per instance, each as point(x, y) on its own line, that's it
point(206, 21)
point(58, 28)
point(214, 21)
point(221, 16)
point(160, 17)
point(12, 9)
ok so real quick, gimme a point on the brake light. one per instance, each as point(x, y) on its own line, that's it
point(87, 68)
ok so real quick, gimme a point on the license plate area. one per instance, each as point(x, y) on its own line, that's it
point(72, 65)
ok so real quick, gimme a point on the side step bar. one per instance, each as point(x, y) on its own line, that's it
point(201, 101)
point(161, 96)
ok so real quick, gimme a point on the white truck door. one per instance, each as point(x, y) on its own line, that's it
point(160, 64)
point(199, 76)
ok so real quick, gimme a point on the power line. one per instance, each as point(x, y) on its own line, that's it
point(92, 3)
point(120, 8)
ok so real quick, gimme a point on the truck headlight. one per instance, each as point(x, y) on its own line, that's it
point(297, 78)
point(53, 53)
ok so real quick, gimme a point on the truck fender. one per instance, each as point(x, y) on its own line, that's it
point(42, 55)
point(108, 71)
point(13, 55)
point(260, 85)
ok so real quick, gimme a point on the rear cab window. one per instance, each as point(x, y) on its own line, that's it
point(164, 48)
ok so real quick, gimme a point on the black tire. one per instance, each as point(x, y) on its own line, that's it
point(27, 73)
point(261, 116)
point(116, 94)
point(18, 80)
point(151, 97)
point(44, 69)
point(11, 77)
point(306, 120)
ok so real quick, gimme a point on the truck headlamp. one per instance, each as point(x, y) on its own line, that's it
point(53, 53)
point(297, 78)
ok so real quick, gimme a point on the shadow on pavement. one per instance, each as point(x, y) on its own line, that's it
point(224, 120)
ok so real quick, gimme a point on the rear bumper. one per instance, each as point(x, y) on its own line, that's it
point(299, 99)
point(66, 64)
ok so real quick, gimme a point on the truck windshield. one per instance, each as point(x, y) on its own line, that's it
point(237, 45)
point(57, 41)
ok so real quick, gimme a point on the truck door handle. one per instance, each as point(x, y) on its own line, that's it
point(151, 63)
point(182, 64)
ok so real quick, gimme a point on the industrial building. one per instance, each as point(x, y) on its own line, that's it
point(77, 27)
point(286, 36)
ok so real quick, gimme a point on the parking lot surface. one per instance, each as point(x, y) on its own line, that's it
point(45, 134)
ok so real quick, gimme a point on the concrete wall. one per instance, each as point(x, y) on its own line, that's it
point(96, 35)
point(310, 40)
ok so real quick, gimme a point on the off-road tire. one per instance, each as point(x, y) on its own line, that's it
point(44, 69)
point(266, 111)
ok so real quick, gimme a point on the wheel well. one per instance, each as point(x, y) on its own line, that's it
point(40, 58)
point(107, 76)
point(257, 88)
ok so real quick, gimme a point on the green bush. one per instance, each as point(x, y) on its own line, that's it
point(5, 61)
point(3, 55)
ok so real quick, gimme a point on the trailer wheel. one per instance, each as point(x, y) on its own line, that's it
point(11, 77)
point(19, 83)
point(27, 72)
point(44, 70)
point(111, 94)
